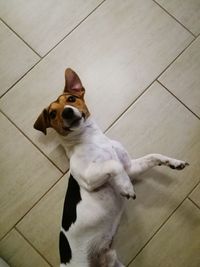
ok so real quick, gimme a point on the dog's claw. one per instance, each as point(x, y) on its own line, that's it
point(180, 166)
point(128, 196)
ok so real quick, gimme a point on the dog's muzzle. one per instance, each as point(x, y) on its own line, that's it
point(71, 117)
point(68, 114)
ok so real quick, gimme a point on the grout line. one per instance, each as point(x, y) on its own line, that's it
point(26, 136)
point(32, 207)
point(20, 79)
point(194, 203)
point(39, 199)
point(174, 18)
point(20, 38)
point(191, 199)
point(71, 31)
point(156, 79)
point(26, 239)
point(162, 224)
point(178, 99)
point(129, 106)
point(42, 57)
point(183, 51)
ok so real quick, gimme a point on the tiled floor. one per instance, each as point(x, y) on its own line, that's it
point(140, 63)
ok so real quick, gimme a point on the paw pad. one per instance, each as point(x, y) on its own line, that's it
point(180, 166)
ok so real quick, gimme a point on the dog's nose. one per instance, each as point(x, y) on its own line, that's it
point(67, 113)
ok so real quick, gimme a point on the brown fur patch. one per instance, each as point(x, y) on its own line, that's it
point(52, 116)
point(58, 106)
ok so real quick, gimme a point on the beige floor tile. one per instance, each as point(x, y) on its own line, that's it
point(186, 11)
point(177, 243)
point(182, 77)
point(116, 63)
point(42, 224)
point(42, 24)
point(195, 195)
point(157, 122)
point(16, 58)
point(25, 175)
point(18, 253)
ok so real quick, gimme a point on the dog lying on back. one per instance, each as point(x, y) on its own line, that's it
point(101, 172)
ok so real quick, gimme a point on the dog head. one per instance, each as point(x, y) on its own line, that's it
point(69, 111)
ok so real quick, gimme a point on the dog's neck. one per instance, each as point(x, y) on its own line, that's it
point(88, 132)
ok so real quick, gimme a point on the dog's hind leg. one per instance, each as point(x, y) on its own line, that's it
point(147, 162)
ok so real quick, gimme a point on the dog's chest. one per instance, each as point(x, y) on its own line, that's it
point(97, 152)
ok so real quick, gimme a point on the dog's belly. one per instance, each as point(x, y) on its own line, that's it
point(98, 209)
point(98, 216)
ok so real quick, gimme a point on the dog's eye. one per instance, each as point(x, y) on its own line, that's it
point(52, 114)
point(71, 99)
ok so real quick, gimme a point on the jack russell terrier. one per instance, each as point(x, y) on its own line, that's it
point(101, 172)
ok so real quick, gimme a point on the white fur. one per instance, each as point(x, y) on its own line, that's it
point(103, 168)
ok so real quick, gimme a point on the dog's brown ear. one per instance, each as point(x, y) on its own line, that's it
point(42, 122)
point(73, 83)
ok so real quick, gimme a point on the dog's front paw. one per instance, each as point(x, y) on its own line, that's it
point(128, 192)
point(178, 164)
point(128, 195)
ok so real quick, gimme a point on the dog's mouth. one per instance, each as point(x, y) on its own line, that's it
point(75, 122)
point(72, 124)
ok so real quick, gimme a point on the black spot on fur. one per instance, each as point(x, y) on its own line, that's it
point(72, 199)
point(65, 250)
point(172, 167)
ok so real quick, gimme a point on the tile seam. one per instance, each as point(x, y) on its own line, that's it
point(39, 199)
point(9, 89)
point(69, 34)
point(54, 47)
point(32, 207)
point(194, 203)
point(179, 55)
point(15, 33)
point(28, 138)
point(71, 31)
point(148, 86)
point(163, 224)
point(33, 247)
point(180, 101)
point(189, 197)
point(119, 117)
point(179, 22)
point(128, 107)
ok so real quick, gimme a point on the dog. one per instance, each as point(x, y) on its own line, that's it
point(101, 175)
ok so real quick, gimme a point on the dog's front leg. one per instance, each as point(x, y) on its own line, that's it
point(122, 184)
point(147, 162)
point(95, 174)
